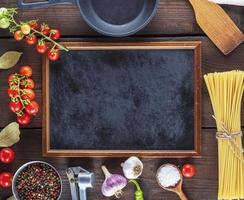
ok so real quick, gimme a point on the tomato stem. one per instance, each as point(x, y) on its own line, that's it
point(19, 95)
point(11, 19)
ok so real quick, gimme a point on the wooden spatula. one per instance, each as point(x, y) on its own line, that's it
point(217, 25)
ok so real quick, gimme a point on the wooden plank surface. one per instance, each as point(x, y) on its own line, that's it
point(212, 60)
point(203, 186)
point(172, 17)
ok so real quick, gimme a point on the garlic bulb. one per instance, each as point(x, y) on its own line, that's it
point(132, 167)
point(113, 184)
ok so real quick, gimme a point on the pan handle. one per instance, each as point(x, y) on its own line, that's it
point(42, 4)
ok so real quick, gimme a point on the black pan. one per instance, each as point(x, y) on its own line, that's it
point(116, 18)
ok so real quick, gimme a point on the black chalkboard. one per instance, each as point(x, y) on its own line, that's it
point(120, 100)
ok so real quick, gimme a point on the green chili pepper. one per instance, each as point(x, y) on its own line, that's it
point(138, 192)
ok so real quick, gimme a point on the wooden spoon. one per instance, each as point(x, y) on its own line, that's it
point(177, 188)
point(217, 25)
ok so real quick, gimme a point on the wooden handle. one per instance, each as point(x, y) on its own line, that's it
point(182, 195)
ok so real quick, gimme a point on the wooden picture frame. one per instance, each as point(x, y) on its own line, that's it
point(191, 45)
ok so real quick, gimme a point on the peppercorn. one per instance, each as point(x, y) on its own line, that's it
point(38, 181)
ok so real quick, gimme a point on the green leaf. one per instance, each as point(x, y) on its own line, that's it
point(10, 135)
point(11, 198)
point(9, 59)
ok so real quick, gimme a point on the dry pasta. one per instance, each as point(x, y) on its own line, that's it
point(225, 91)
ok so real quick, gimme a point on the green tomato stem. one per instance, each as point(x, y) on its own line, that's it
point(19, 95)
point(49, 39)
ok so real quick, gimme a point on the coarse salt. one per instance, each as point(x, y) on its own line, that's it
point(168, 176)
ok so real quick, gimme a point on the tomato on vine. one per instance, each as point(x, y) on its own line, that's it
point(25, 70)
point(30, 30)
point(28, 84)
point(18, 35)
point(33, 24)
point(23, 119)
point(28, 94)
point(41, 47)
point(25, 29)
point(55, 34)
point(53, 54)
point(12, 93)
point(45, 29)
point(11, 78)
point(15, 106)
point(32, 108)
point(31, 39)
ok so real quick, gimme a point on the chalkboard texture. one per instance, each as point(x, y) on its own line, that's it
point(135, 99)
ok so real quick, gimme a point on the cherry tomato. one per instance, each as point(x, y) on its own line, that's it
point(6, 155)
point(188, 170)
point(33, 24)
point(18, 35)
point(6, 179)
point(32, 108)
point(28, 84)
point(11, 78)
point(41, 47)
point(54, 54)
point(28, 94)
point(45, 29)
point(12, 93)
point(55, 34)
point(25, 70)
point(15, 106)
point(25, 28)
point(31, 39)
point(24, 119)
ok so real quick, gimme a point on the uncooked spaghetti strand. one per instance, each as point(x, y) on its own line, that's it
point(225, 91)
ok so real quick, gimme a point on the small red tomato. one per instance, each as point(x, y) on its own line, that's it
point(24, 119)
point(28, 84)
point(18, 35)
point(11, 78)
point(54, 54)
point(31, 39)
point(6, 155)
point(28, 94)
point(32, 108)
point(45, 29)
point(55, 34)
point(33, 24)
point(6, 179)
point(15, 106)
point(25, 70)
point(41, 47)
point(188, 170)
point(12, 93)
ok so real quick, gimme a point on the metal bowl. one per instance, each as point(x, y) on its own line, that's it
point(15, 193)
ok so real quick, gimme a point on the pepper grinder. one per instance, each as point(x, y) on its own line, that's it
point(80, 179)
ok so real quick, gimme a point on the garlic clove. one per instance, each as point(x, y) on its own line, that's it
point(113, 184)
point(132, 167)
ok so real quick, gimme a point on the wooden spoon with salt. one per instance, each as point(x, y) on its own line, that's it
point(177, 188)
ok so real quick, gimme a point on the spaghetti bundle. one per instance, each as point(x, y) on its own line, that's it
point(225, 91)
